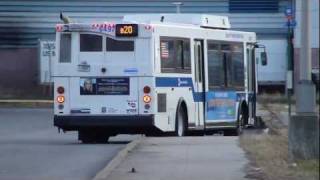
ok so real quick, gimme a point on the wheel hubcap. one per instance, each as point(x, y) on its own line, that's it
point(180, 124)
point(240, 122)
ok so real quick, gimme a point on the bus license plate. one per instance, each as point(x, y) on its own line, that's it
point(83, 68)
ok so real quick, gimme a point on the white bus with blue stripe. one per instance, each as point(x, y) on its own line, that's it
point(165, 73)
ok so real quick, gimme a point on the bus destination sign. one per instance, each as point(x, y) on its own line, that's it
point(127, 30)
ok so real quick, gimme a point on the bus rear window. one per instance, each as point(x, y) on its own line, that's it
point(115, 45)
point(65, 48)
point(90, 43)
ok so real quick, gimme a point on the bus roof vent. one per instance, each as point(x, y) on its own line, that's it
point(202, 20)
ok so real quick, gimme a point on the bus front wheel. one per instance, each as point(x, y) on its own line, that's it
point(240, 122)
point(239, 126)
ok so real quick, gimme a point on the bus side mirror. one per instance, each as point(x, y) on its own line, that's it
point(264, 58)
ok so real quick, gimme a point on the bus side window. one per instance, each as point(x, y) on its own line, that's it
point(167, 56)
point(90, 43)
point(65, 48)
point(237, 66)
point(175, 55)
point(179, 54)
point(215, 66)
point(186, 56)
point(226, 65)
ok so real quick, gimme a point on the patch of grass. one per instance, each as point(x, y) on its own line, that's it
point(270, 153)
point(280, 98)
point(309, 168)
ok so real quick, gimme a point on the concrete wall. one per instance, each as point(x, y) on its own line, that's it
point(18, 72)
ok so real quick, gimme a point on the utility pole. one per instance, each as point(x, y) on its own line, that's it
point(291, 23)
point(304, 126)
point(50, 69)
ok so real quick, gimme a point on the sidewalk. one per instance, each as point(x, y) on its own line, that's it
point(187, 158)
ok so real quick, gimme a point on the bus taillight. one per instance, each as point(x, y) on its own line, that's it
point(60, 90)
point(60, 99)
point(146, 89)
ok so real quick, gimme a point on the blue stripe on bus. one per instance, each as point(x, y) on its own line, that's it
point(187, 82)
point(180, 82)
point(173, 82)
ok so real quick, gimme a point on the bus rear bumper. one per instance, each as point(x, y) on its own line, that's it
point(69, 123)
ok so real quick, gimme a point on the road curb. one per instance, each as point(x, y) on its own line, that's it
point(106, 171)
point(25, 101)
point(17, 103)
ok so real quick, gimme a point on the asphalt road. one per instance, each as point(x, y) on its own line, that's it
point(31, 148)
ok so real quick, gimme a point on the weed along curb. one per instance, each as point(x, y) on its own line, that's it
point(105, 172)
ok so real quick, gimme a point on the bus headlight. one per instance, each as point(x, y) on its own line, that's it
point(60, 99)
point(146, 99)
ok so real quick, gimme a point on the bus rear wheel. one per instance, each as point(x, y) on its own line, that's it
point(240, 122)
point(239, 126)
point(92, 137)
point(181, 119)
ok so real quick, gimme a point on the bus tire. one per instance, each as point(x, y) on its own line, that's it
point(181, 121)
point(239, 124)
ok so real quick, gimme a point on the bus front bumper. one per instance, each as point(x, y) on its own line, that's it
point(79, 122)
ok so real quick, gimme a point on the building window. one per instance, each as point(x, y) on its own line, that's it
point(90, 43)
point(253, 6)
point(175, 55)
point(115, 45)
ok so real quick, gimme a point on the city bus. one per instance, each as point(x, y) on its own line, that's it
point(154, 73)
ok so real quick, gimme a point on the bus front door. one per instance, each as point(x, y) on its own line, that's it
point(199, 86)
point(252, 85)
